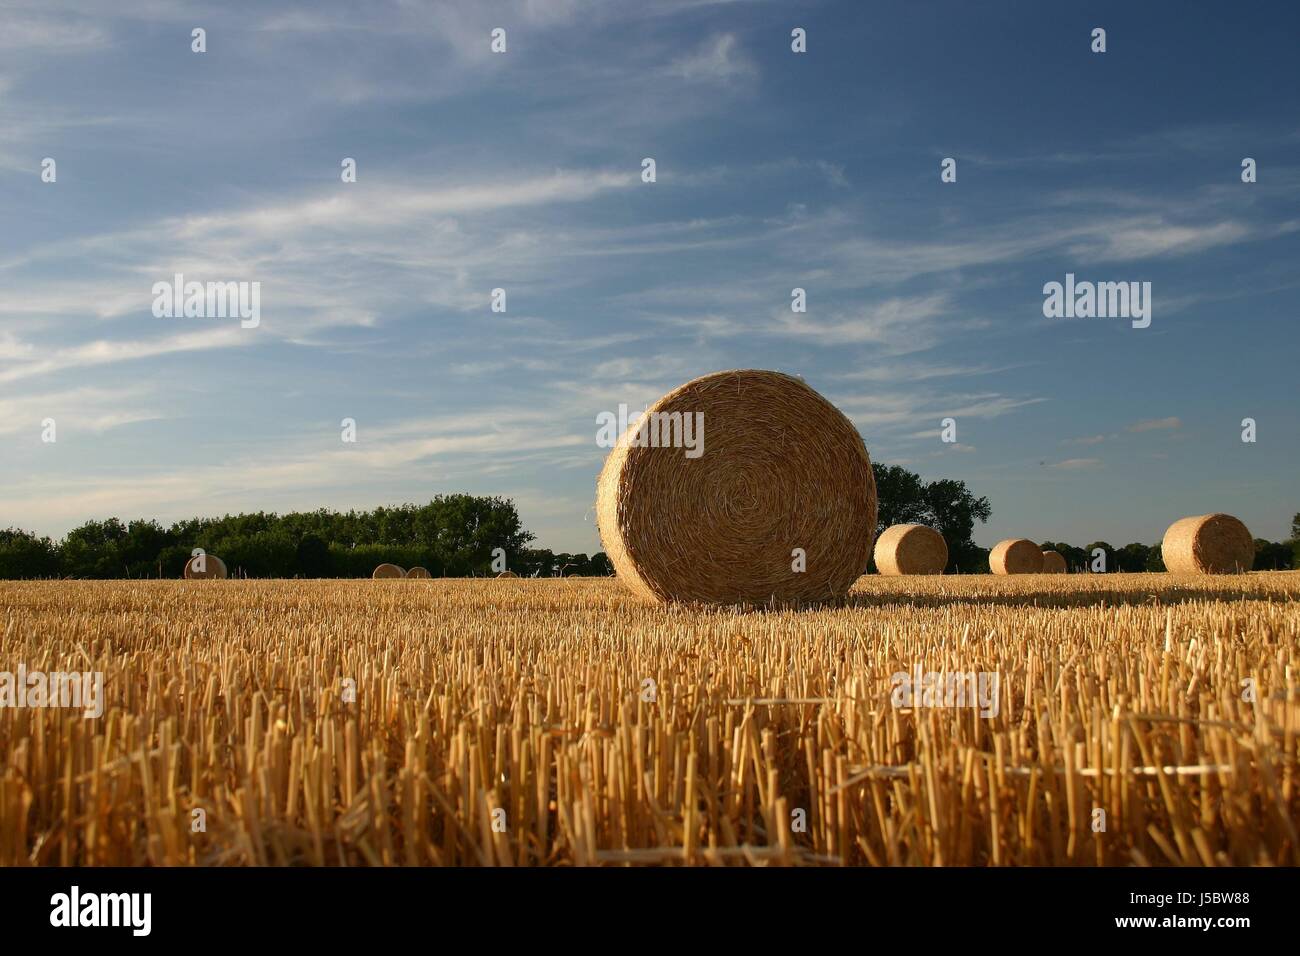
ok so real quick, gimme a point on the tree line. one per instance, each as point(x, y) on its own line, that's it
point(459, 536)
point(1102, 556)
point(453, 535)
point(952, 510)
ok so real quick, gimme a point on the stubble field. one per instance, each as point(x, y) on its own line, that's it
point(1125, 719)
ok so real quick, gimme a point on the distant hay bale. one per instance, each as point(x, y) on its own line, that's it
point(1016, 556)
point(418, 572)
point(911, 549)
point(1053, 562)
point(388, 571)
point(777, 504)
point(1208, 544)
point(507, 574)
point(213, 568)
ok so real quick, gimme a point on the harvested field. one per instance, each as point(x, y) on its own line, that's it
point(566, 722)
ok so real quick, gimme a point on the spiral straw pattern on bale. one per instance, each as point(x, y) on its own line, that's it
point(418, 572)
point(1053, 562)
point(911, 549)
point(213, 568)
point(507, 574)
point(781, 468)
point(1016, 556)
point(386, 571)
point(1208, 544)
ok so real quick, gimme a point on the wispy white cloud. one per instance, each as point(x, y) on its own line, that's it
point(1156, 424)
point(901, 323)
point(431, 244)
point(105, 352)
point(33, 33)
point(88, 409)
point(895, 410)
point(388, 206)
point(506, 440)
point(915, 371)
point(1076, 464)
point(720, 58)
point(1089, 239)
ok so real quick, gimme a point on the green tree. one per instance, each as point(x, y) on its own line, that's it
point(172, 559)
point(900, 496)
point(1155, 559)
point(94, 550)
point(1132, 558)
point(451, 534)
point(954, 511)
point(1273, 555)
point(533, 562)
point(946, 505)
point(24, 555)
point(313, 557)
point(1076, 559)
point(258, 554)
point(141, 547)
point(1295, 541)
point(1111, 562)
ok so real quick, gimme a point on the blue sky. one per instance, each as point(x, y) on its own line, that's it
point(521, 170)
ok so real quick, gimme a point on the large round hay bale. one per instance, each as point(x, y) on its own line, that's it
point(1053, 562)
point(418, 572)
point(911, 549)
point(1016, 556)
point(1208, 544)
point(388, 571)
point(507, 574)
point(205, 566)
point(776, 502)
